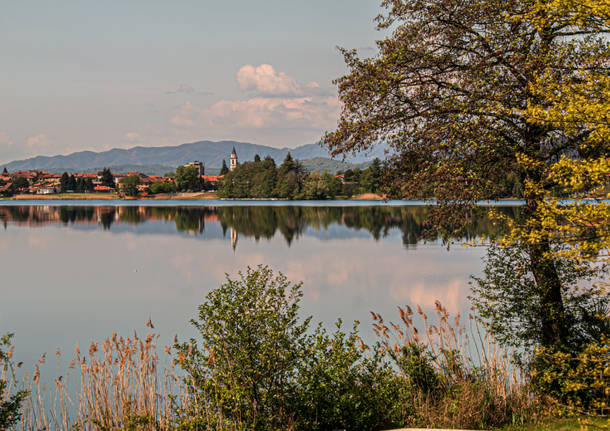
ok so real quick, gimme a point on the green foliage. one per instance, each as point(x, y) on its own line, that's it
point(65, 182)
point(107, 178)
point(290, 179)
point(370, 178)
point(447, 381)
point(257, 368)
point(577, 383)
point(262, 179)
point(187, 179)
point(342, 386)
point(224, 169)
point(129, 185)
point(479, 98)
point(10, 405)
point(508, 296)
point(20, 184)
point(251, 343)
point(69, 182)
point(163, 186)
point(321, 186)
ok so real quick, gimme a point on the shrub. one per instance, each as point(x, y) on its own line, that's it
point(342, 385)
point(576, 383)
point(10, 404)
point(258, 366)
point(252, 342)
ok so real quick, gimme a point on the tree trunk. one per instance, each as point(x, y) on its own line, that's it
point(554, 331)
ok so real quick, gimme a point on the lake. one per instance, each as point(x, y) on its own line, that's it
point(78, 271)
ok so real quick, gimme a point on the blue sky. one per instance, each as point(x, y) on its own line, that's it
point(93, 75)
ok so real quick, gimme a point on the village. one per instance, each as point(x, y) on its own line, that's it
point(253, 179)
point(40, 182)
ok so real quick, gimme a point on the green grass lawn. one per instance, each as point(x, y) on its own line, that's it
point(562, 425)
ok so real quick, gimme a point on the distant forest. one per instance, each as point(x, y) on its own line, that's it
point(263, 179)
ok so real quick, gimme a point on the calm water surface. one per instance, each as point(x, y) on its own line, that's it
point(78, 272)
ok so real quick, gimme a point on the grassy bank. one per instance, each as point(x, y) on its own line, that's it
point(161, 196)
point(65, 196)
point(563, 425)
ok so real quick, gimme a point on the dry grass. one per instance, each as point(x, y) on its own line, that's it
point(114, 385)
point(66, 196)
point(457, 375)
point(119, 383)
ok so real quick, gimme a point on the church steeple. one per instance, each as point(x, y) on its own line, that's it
point(233, 161)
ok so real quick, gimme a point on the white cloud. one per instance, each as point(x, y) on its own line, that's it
point(261, 112)
point(277, 107)
point(131, 137)
point(39, 143)
point(266, 81)
point(186, 115)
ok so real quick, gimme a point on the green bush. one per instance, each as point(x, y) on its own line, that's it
point(340, 385)
point(10, 405)
point(259, 367)
point(575, 382)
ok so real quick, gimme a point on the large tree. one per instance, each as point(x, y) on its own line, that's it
point(468, 93)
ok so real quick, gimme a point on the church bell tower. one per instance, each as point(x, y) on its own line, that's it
point(233, 163)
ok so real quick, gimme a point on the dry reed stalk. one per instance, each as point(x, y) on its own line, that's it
point(467, 359)
point(116, 385)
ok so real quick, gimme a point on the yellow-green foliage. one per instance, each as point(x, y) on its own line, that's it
point(581, 227)
point(576, 101)
point(577, 383)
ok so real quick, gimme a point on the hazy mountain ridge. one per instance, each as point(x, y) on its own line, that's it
point(210, 153)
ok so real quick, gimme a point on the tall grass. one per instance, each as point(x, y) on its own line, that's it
point(116, 384)
point(453, 375)
point(456, 373)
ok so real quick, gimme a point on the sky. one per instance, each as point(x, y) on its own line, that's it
point(93, 75)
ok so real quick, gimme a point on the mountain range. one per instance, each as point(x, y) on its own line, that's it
point(210, 153)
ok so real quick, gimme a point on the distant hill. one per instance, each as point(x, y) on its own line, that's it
point(316, 164)
point(331, 165)
point(208, 152)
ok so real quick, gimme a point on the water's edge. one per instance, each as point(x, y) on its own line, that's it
point(241, 202)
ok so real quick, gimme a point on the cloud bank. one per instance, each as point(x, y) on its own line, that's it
point(274, 101)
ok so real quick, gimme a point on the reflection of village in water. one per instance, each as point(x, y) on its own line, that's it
point(250, 221)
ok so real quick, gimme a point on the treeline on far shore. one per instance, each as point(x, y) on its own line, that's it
point(290, 180)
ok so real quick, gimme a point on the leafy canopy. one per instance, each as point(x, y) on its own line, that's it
point(468, 94)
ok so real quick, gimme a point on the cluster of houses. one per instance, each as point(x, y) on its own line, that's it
point(43, 183)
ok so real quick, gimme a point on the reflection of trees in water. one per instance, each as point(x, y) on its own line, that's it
point(263, 222)
point(258, 221)
point(73, 214)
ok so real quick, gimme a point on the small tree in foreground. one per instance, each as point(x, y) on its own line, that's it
point(259, 367)
point(252, 340)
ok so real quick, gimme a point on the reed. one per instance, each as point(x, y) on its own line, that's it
point(455, 372)
point(452, 374)
point(116, 384)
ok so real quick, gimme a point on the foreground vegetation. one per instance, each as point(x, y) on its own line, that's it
point(563, 424)
point(259, 365)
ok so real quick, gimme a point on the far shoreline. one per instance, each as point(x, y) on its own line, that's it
point(203, 199)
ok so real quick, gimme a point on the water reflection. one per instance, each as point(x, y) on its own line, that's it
point(77, 273)
point(258, 222)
